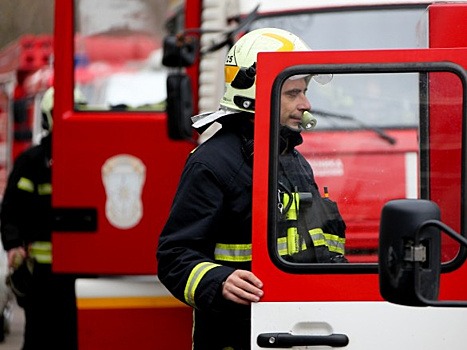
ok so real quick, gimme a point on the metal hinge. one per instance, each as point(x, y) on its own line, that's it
point(415, 253)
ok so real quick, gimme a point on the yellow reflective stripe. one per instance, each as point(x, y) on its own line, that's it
point(44, 189)
point(335, 243)
point(316, 231)
point(293, 244)
point(195, 277)
point(232, 252)
point(293, 238)
point(282, 246)
point(41, 251)
point(294, 206)
point(317, 235)
point(25, 185)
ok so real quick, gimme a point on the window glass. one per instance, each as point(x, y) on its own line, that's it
point(376, 28)
point(118, 54)
point(330, 194)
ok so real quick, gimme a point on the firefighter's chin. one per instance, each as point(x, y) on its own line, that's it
point(294, 124)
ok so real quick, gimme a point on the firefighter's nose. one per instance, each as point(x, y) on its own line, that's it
point(305, 104)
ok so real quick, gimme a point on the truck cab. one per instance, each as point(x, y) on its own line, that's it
point(390, 126)
point(343, 305)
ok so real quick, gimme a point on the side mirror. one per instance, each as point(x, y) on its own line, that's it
point(410, 253)
point(179, 51)
point(22, 131)
point(20, 111)
point(407, 252)
point(179, 106)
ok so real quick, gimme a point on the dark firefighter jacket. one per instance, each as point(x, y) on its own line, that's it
point(315, 232)
point(49, 301)
point(208, 235)
point(208, 232)
point(25, 213)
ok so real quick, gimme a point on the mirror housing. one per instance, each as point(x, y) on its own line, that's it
point(179, 106)
point(179, 51)
point(409, 252)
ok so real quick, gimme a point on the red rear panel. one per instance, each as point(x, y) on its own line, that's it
point(119, 167)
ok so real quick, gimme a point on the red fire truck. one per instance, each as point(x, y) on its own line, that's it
point(390, 126)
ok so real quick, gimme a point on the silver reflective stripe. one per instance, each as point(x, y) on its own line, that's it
point(317, 236)
point(195, 277)
point(335, 243)
point(232, 252)
point(282, 246)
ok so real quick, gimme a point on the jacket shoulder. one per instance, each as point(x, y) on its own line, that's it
point(222, 148)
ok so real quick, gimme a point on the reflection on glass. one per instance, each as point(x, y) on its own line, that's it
point(376, 28)
point(118, 54)
point(359, 100)
point(372, 143)
point(310, 227)
point(380, 27)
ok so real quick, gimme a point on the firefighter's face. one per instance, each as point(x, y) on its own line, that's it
point(293, 102)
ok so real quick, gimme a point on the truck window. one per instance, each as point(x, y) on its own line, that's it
point(369, 162)
point(118, 54)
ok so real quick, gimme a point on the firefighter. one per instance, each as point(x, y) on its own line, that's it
point(48, 298)
point(204, 251)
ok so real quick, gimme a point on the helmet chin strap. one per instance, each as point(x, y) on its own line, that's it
point(244, 103)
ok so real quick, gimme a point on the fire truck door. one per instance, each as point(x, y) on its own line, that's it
point(316, 304)
point(115, 168)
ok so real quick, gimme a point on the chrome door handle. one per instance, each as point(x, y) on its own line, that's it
point(287, 340)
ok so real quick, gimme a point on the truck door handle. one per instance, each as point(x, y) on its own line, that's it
point(74, 219)
point(287, 340)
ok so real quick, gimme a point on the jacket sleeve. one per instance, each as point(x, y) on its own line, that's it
point(185, 253)
point(12, 210)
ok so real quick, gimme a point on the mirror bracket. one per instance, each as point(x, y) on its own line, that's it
point(443, 228)
point(415, 253)
point(410, 253)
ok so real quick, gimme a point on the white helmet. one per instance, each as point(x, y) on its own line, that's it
point(240, 64)
point(47, 106)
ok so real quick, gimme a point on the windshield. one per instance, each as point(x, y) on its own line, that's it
point(118, 52)
point(376, 101)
